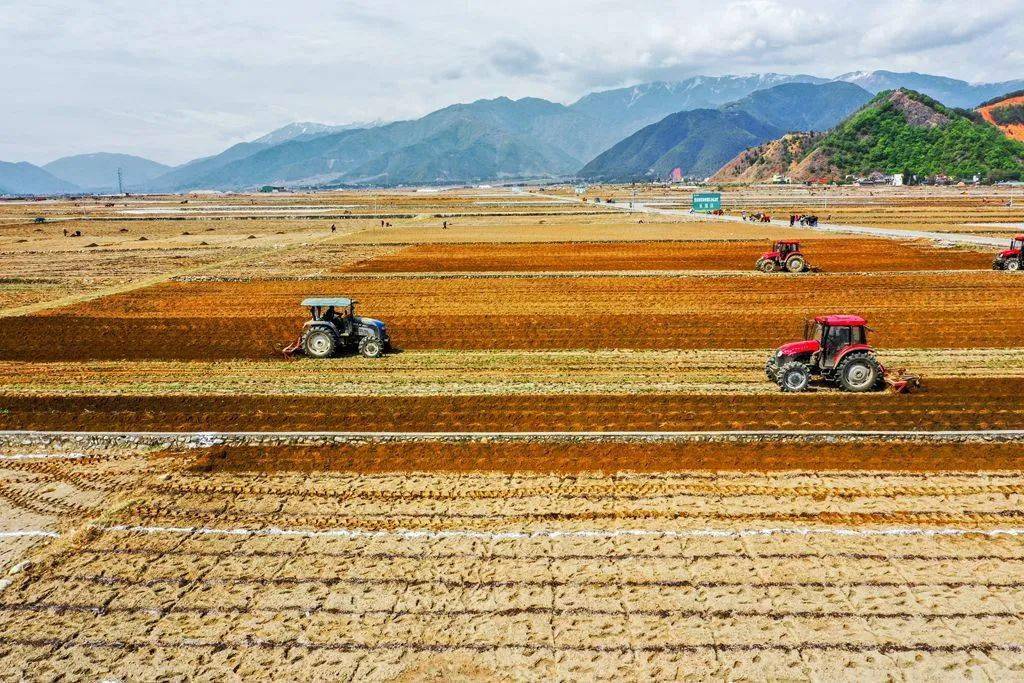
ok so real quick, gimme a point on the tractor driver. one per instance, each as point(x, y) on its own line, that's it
point(341, 320)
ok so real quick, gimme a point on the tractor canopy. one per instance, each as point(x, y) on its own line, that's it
point(1016, 246)
point(841, 320)
point(782, 249)
point(324, 301)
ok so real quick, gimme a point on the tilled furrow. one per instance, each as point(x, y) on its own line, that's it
point(490, 555)
point(439, 521)
point(163, 611)
point(982, 647)
point(620, 491)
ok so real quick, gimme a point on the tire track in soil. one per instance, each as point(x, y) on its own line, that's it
point(391, 521)
point(605, 556)
point(408, 646)
point(774, 615)
point(111, 580)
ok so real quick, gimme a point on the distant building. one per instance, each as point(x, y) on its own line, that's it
point(897, 179)
point(676, 176)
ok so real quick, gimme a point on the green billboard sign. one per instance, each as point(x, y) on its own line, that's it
point(707, 201)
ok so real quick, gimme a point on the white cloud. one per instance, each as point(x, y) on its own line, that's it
point(174, 80)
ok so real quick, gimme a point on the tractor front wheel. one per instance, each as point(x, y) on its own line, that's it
point(319, 344)
point(371, 347)
point(769, 266)
point(796, 264)
point(859, 372)
point(771, 369)
point(794, 377)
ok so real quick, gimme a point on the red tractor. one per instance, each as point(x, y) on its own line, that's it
point(785, 255)
point(1013, 258)
point(835, 348)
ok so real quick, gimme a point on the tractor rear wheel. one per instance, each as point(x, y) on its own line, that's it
point(371, 347)
point(796, 264)
point(319, 344)
point(1013, 265)
point(769, 266)
point(794, 377)
point(859, 372)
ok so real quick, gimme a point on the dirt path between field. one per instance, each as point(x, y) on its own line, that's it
point(891, 233)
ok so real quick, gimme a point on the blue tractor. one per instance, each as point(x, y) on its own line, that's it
point(334, 325)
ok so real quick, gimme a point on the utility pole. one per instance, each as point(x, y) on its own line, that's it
point(120, 182)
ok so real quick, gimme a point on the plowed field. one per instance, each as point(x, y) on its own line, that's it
point(831, 255)
point(540, 577)
point(222, 320)
point(479, 556)
point(609, 456)
point(947, 404)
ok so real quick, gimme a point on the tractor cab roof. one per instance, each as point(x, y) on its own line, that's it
point(1019, 238)
point(339, 301)
point(787, 242)
point(841, 320)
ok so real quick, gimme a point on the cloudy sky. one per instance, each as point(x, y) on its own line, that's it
point(175, 80)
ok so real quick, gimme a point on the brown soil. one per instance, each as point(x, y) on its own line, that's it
point(832, 255)
point(221, 320)
point(946, 404)
point(570, 458)
point(1014, 131)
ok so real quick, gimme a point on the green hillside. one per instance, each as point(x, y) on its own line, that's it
point(902, 131)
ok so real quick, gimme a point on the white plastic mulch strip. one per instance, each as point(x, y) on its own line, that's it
point(43, 456)
point(579, 533)
point(28, 534)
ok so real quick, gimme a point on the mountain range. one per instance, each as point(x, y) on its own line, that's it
point(26, 178)
point(898, 132)
point(700, 141)
point(98, 172)
point(492, 139)
point(950, 91)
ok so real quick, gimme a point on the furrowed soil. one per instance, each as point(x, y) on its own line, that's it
point(992, 403)
point(254, 320)
point(414, 575)
point(831, 255)
point(611, 457)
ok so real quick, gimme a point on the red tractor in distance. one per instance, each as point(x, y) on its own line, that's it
point(785, 255)
point(835, 348)
point(1013, 258)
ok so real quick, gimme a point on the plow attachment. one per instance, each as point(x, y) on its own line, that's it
point(292, 349)
point(902, 382)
